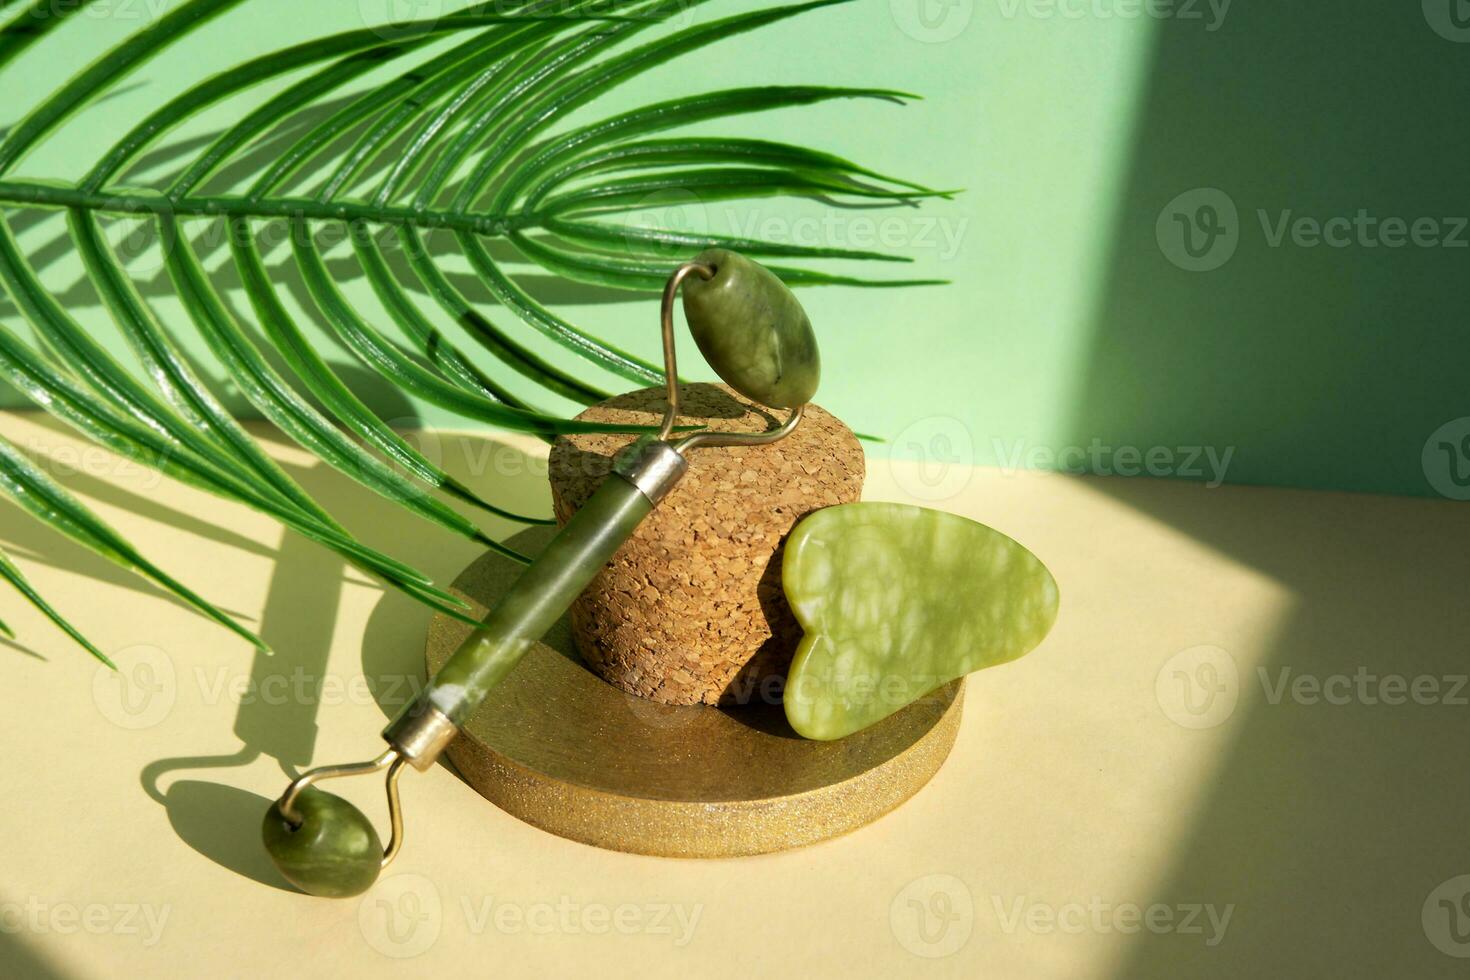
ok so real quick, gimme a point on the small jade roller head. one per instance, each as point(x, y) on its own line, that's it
point(333, 851)
point(752, 331)
point(326, 846)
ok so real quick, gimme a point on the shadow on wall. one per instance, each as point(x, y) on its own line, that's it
point(1328, 826)
point(1291, 248)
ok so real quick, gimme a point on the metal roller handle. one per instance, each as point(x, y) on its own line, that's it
point(537, 600)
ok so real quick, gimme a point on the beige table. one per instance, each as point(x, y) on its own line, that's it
point(1202, 773)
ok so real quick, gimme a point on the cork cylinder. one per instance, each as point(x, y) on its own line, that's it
point(690, 610)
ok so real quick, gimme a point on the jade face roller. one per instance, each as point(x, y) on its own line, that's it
point(755, 335)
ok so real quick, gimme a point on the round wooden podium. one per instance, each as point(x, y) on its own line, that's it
point(560, 748)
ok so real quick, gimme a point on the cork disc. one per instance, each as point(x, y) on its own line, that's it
point(563, 750)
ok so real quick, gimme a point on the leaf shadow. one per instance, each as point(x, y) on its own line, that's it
point(21, 648)
point(115, 495)
point(56, 550)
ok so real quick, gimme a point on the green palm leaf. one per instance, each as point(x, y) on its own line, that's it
point(21, 584)
point(24, 482)
point(465, 134)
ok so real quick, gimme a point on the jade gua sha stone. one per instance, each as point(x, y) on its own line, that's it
point(896, 601)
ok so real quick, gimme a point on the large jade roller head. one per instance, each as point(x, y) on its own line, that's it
point(752, 331)
point(757, 338)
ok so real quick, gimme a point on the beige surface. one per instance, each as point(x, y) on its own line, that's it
point(1072, 798)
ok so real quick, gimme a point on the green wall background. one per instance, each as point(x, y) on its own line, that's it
point(1077, 332)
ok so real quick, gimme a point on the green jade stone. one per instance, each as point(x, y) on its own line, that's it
point(335, 853)
point(897, 601)
point(752, 331)
point(538, 598)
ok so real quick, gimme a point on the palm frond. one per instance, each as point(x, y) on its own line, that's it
point(21, 584)
point(25, 483)
point(466, 135)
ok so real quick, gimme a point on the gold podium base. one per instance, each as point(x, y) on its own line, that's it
point(563, 750)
